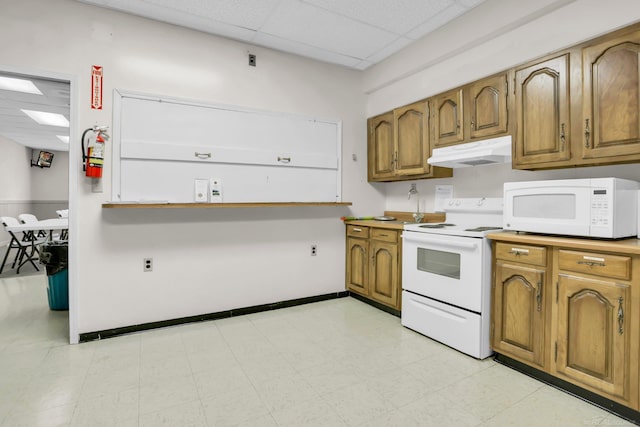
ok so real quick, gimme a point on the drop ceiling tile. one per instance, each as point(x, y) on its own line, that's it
point(397, 16)
point(390, 49)
point(249, 14)
point(362, 65)
point(437, 21)
point(469, 3)
point(178, 17)
point(304, 50)
point(319, 28)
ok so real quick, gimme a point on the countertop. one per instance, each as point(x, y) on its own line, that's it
point(402, 219)
point(629, 246)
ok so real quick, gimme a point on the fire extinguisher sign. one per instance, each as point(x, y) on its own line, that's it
point(96, 87)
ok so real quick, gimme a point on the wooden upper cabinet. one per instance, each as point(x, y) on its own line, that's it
point(478, 110)
point(611, 103)
point(412, 139)
point(448, 118)
point(543, 108)
point(381, 149)
point(487, 107)
point(593, 335)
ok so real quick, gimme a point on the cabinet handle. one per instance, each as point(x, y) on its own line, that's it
point(587, 133)
point(518, 252)
point(620, 316)
point(592, 263)
point(539, 296)
point(473, 123)
point(562, 137)
point(203, 155)
point(356, 230)
point(284, 159)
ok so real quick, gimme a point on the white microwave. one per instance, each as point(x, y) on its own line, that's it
point(592, 207)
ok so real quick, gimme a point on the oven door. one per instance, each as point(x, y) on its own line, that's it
point(446, 268)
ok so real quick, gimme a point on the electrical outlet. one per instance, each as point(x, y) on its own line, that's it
point(147, 264)
point(252, 60)
point(314, 250)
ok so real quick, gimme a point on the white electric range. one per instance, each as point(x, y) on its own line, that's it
point(446, 275)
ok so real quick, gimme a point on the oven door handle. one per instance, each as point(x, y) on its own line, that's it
point(434, 241)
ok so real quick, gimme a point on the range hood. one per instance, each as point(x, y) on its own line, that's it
point(488, 151)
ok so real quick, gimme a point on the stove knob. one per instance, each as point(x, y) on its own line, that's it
point(458, 202)
point(481, 202)
point(451, 202)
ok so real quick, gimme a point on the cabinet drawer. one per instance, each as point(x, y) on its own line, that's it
point(358, 231)
point(384, 235)
point(526, 254)
point(614, 266)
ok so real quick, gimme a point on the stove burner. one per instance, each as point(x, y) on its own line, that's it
point(483, 228)
point(442, 225)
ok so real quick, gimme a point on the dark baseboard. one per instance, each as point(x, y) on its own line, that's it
point(109, 333)
point(586, 395)
point(375, 304)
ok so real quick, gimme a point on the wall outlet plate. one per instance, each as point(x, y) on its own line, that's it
point(215, 190)
point(201, 189)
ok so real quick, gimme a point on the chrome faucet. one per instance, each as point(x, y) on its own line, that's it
point(413, 191)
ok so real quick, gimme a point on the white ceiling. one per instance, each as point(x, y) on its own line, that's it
point(352, 33)
point(18, 127)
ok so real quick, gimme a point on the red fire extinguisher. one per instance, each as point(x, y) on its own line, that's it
point(93, 157)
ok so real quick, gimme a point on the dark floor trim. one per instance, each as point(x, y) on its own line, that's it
point(586, 395)
point(108, 333)
point(376, 304)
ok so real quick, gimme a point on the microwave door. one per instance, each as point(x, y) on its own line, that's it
point(563, 210)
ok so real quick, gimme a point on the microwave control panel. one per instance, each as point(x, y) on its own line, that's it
point(600, 207)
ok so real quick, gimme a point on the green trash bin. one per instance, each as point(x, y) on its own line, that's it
point(55, 256)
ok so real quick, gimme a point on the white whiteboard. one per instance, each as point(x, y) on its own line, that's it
point(162, 145)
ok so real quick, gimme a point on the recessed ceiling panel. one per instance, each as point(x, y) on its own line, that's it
point(437, 21)
point(396, 16)
point(317, 27)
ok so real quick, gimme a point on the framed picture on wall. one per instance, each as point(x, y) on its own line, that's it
point(44, 159)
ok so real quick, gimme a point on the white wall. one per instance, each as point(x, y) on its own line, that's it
point(490, 39)
point(51, 183)
point(15, 177)
point(204, 260)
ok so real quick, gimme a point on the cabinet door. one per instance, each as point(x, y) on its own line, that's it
point(542, 105)
point(611, 105)
point(518, 312)
point(593, 333)
point(380, 147)
point(383, 274)
point(487, 108)
point(412, 139)
point(357, 265)
point(448, 112)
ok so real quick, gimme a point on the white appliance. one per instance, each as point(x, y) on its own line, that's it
point(446, 275)
point(488, 151)
point(591, 207)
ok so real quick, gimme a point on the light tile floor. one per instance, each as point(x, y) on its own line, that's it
point(333, 363)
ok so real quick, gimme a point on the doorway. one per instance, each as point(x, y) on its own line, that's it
point(39, 188)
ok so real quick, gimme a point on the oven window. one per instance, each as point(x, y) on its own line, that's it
point(546, 206)
point(439, 262)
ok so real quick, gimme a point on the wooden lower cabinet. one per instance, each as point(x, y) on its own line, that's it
point(373, 264)
point(577, 317)
point(518, 326)
point(592, 332)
